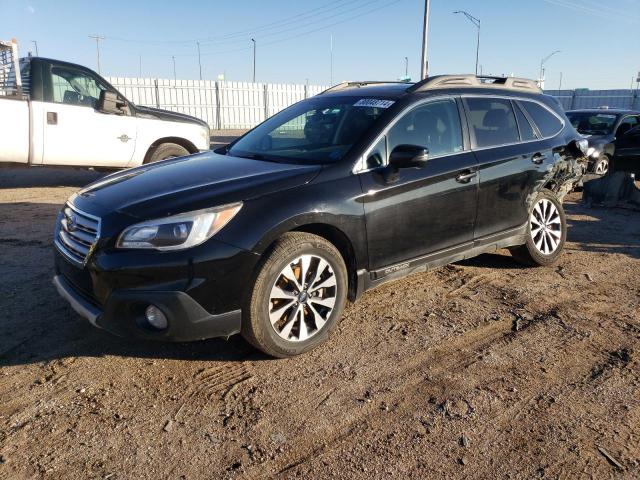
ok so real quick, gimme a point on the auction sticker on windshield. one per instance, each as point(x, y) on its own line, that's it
point(374, 103)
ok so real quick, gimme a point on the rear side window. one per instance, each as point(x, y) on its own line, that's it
point(526, 130)
point(548, 124)
point(492, 121)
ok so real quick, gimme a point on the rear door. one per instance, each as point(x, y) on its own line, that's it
point(512, 159)
point(75, 132)
point(425, 209)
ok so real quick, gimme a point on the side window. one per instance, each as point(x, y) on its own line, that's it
point(492, 121)
point(435, 126)
point(73, 87)
point(526, 130)
point(627, 124)
point(548, 124)
point(378, 154)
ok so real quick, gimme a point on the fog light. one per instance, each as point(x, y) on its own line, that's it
point(156, 318)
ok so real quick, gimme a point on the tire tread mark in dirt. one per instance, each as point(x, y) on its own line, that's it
point(213, 382)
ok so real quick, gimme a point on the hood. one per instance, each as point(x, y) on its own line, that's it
point(156, 113)
point(188, 183)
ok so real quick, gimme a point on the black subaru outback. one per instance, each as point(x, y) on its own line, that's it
point(365, 183)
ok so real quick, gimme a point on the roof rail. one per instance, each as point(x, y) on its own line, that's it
point(473, 81)
point(345, 85)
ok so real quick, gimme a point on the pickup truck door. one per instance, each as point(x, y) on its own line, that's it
point(75, 132)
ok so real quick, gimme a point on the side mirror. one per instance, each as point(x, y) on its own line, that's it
point(109, 102)
point(408, 156)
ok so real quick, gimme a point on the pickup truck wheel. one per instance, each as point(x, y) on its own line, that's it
point(166, 151)
point(298, 296)
point(546, 232)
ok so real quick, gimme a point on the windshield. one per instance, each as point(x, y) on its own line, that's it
point(318, 130)
point(593, 123)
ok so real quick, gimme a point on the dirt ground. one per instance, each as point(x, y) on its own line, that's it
point(481, 369)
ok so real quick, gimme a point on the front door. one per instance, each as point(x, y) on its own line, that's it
point(425, 209)
point(75, 132)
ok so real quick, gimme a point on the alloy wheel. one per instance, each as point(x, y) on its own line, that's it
point(603, 167)
point(545, 227)
point(302, 298)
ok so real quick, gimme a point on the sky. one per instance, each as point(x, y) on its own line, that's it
point(597, 39)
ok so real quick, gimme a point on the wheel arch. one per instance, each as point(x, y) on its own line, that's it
point(338, 239)
point(183, 142)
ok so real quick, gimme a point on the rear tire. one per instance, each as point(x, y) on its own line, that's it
point(165, 151)
point(546, 232)
point(298, 296)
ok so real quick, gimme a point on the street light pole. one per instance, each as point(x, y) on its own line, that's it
point(542, 62)
point(199, 60)
point(424, 70)
point(254, 59)
point(173, 57)
point(476, 22)
point(406, 67)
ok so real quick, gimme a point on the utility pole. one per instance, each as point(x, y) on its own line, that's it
point(199, 60)
point(424, 70)
point(173, 57)
point(406, 67)
point(254, 59)
point(331, 60)
point(35, 42)
point(97, 38)
point(476, 22)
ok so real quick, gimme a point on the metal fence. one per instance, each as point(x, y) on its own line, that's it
point(242, 105)
point(575, 99)
point(223, 105)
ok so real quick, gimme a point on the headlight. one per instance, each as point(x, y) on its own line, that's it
point(178, 232)
point(592, 152)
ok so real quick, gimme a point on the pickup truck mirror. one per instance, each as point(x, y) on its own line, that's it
point(109, 102)
point(408, 156)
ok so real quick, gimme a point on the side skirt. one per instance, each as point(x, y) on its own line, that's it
point(371, 279)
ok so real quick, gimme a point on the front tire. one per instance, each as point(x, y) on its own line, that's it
point(546, 232)
point(298, 296)
point(165, 151)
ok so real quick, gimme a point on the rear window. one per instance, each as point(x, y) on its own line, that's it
point(492, 121)
point(548, 124)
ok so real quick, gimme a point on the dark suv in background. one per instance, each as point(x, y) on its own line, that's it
point(606, 130)
point(362, 184)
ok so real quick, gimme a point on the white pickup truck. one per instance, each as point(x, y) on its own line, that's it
point(58, 113)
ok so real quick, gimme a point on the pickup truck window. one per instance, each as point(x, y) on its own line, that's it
point(73, 87)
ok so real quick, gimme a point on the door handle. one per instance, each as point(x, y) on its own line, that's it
point(538, 158)
point(52, 118)
point(465, 177)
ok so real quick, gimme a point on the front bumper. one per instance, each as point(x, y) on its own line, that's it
point(123, 314)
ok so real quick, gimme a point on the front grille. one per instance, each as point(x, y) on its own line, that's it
point(77, 233)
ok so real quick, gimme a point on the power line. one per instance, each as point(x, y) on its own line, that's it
point(268, 26)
